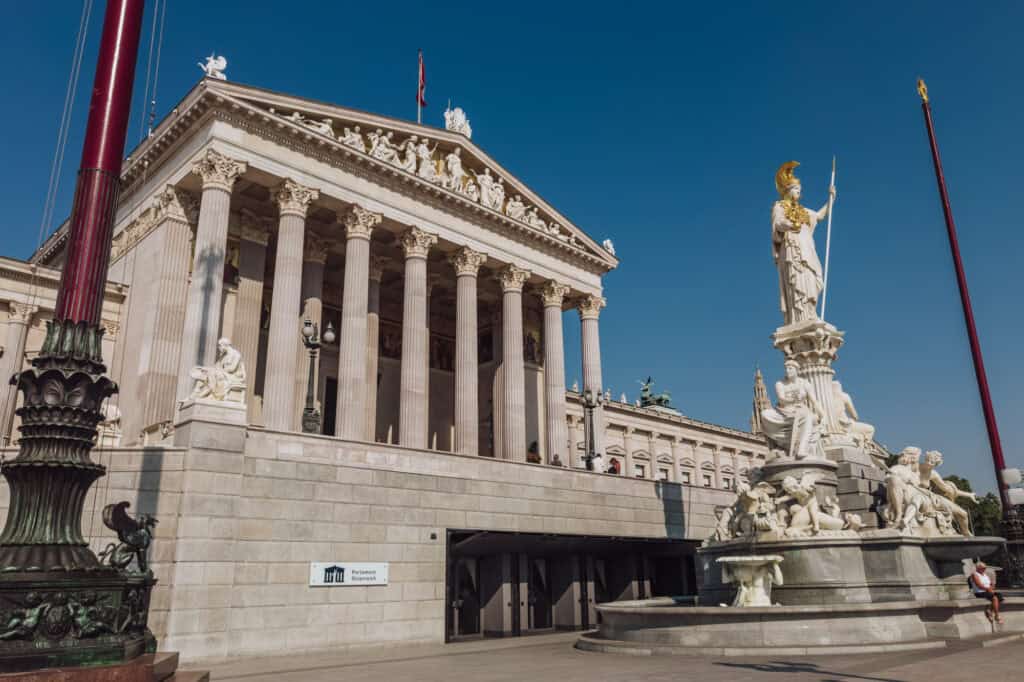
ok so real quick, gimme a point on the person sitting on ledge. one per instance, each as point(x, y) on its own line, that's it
point(533, 453)
point(984, 588)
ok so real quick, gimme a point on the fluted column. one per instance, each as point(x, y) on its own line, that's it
point(373, 343)
point(351, 413)
point(467, 376)
point(514, 394)
point(552, 296)
point(252, 263)
point(285, 326)
point(314, 258)
point(412, 413)
point(590, 309)
point(18, 320)
point(627, 441)
point(203, 309)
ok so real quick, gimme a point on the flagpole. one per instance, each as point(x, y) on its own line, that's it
point(965, 299)
point(828, 234)
point(419, 86)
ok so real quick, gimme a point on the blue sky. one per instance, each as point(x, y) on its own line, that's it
point(661, 125)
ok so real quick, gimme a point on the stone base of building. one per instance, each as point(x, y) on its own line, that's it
point(146, 668)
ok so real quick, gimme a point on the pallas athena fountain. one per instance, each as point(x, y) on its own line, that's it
point(827, 549)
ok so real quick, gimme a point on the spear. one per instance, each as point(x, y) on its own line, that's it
point(828, 234)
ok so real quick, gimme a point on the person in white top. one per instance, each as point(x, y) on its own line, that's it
point(984, 588)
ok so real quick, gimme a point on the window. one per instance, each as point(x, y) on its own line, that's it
point(707, 480)
point(662, 474)
point(686, 477)
point(727, 483)
point(639, 471)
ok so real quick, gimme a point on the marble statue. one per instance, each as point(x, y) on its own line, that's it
point(623, 399)
point(754, 576)
point(575, 386)
point(515, 208)
point(382, 148)
point(800, 273)
point(214, 67)
point(497, 194)
point(455, 173)
point(608, 246)
point(794, 424)
point(471, 191)
point(801, 514)
point(455, 120)
point(224, 381)
point(534, 220)
point(408, 163)
point(427, 169)
point(109, 431)
point(486, 182)
point(353, 138)
point(945, 493)
point(754, 510)
point(846, 417)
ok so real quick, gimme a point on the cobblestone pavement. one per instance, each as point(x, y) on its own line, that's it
point(552, 657)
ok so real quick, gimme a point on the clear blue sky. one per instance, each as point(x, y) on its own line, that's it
point(661, 125)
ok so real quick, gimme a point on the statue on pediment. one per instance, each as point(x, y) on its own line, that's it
point(608, 246)
point(453, 162)
point(534, 220)
point(455, 120)
point(214, 67)
point(382, 148)
point(470, 190)
point(408, 163)
point(353, 138)
point(427, 169)
point(515, 208)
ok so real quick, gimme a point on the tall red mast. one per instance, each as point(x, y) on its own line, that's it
point(965, 299)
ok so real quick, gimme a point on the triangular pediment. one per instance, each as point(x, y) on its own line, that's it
point(441, 161)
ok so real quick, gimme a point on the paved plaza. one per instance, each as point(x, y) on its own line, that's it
point(552, 657)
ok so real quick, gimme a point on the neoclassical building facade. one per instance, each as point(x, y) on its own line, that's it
point(448, 446)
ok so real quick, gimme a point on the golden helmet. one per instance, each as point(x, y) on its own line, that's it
point(784, 178)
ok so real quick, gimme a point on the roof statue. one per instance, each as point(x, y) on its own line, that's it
point(608, 246)
point(455, 120)
point(214, 67)
point(662, 400)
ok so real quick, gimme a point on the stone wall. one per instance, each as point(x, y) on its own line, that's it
point(244, 511)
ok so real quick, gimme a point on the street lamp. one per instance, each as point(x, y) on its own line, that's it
point(591, 401)
point(311, 340)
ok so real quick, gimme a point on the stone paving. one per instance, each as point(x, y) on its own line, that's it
point(551, 657)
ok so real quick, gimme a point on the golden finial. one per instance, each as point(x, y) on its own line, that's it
point(922, 89)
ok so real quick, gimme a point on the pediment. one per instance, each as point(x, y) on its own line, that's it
point(441, 162)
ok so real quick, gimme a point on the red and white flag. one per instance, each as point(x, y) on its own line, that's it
point(421, 91)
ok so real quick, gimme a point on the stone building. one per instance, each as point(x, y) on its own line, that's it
point(449, 448)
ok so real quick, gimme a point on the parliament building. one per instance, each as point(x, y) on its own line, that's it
point(444, 444)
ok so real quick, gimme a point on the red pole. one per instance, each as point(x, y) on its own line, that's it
point(80, 297)
point(965, 299)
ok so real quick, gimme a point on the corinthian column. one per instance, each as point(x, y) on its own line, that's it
point(552, 295)
point(10, 363)
point(314, 258)
point(590, 309)
point(283, 342)
point(351, 411)
point(412, 414)
point(467, 404)
point(203, 309)
point(252, 263)
point(514, 394)
point(373, 344)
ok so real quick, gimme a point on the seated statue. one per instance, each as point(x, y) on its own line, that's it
point(945, 493)
point(911, 507)
point(793, 425)
point(805, 514)
point(223, 381)
point(846, 417)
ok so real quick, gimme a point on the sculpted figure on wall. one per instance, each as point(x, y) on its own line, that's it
point(453, 162)
point(515, 208)
point(382, 148)
point(353, 138)
point(224, 381)
point(794, 424)
point(800, 273)
point(408, 162)
point(427, 169)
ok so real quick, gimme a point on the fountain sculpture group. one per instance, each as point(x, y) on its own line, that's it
point(826, 546)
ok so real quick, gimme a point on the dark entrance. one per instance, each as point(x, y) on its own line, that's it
point(464, 599)
point(329, 406)
point(539, 595)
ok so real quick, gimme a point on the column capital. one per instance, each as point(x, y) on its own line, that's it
point(467, 262)
point(416, 242)
point(111, 328)
point(293, 198)
point(377, 266)
point(315, 248)
point(359, 222)
point(21, 313)
point(253, 227)
point(175, 203)
point(590, 306)
point(512, 278)
point(552, 294)
point(218, 170)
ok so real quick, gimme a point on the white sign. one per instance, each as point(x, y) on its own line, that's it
point(339, 573)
